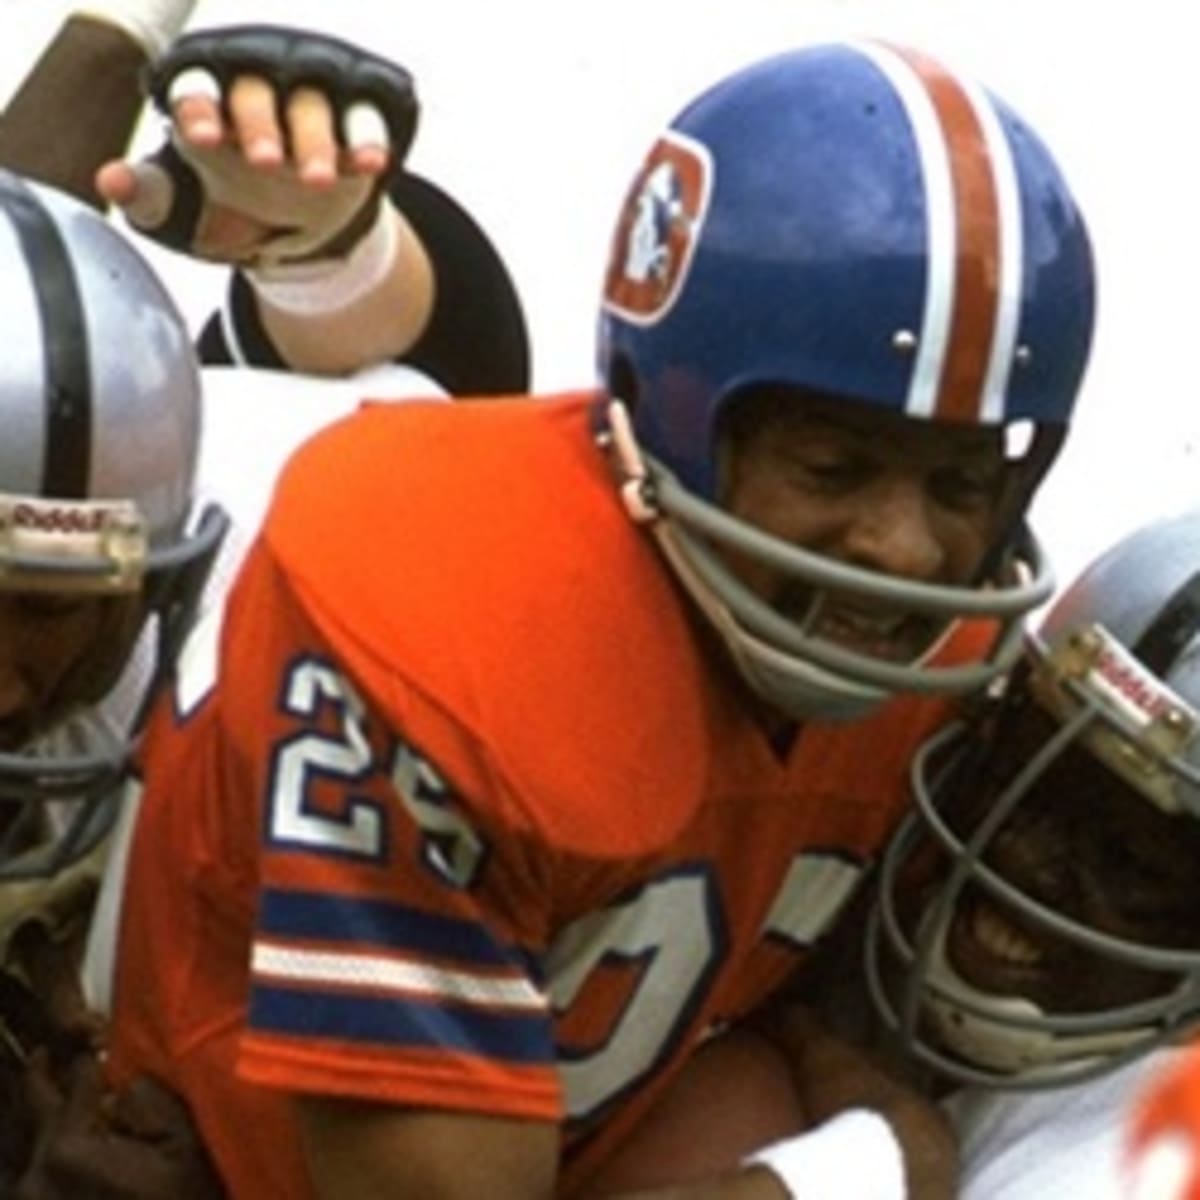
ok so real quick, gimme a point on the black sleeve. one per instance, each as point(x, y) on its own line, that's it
point(476, 341)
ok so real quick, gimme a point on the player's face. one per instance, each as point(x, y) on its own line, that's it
point(48, 643)
point(1089, 846)
point(907, 498)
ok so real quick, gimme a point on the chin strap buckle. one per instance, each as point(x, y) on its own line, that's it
point(636, 485)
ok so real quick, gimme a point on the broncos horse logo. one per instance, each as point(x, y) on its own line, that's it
point(658, 229)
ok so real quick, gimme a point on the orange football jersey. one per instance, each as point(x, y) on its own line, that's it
point(466, 813)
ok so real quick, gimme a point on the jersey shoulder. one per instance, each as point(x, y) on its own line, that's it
point(472, 560)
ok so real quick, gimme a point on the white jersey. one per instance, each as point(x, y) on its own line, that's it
point(252, 421)
point(1056, 1144)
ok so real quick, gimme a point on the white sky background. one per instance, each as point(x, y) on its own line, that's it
point(536, 113)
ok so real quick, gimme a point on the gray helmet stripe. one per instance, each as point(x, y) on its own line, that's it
point(67, 374)
point(1168, 635)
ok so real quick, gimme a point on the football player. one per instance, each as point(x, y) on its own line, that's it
point(103, 413)
point(1042, 898)
point(105, 552)
point(1043, 902)
point(541, 739)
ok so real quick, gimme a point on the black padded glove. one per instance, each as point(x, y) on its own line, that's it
point(291, 58)
point(180, 182)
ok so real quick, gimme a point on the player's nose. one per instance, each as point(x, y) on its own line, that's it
point(893, 532)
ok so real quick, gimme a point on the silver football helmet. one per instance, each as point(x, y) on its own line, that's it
point(100, 404)
point(1038, 916)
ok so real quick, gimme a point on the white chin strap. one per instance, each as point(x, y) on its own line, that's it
point(982, 1027)
point(796, 687)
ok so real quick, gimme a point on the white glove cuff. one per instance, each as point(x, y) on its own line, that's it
point(329, 285)
point(856, 1151)
point(153, 23)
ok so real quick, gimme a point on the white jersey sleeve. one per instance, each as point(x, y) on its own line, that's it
point(1047, 1145)
point(254, 419)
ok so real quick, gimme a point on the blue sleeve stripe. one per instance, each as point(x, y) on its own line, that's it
point(354, 921)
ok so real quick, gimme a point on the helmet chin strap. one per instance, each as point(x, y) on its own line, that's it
point(1008, 1034)
point(634, 483)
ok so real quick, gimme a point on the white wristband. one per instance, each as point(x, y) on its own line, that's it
point(854, 1153)
point(329, 285)
point(153, 23)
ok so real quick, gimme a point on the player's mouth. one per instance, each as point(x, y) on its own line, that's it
point(875, 633)
point(992, 951)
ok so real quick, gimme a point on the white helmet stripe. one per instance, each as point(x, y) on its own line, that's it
point(971, 305)
point(1012, 258)
point(934, 335)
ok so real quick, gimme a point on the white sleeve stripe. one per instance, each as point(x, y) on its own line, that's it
point(379, 973)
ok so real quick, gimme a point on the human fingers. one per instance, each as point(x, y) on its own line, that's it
point(348, 75)
point(143, 191)
point(314, 123)
point(194, 99)
point(365, 133)
point(116, 183)
point(161, 196)
point(254, 120)
point(313, 140)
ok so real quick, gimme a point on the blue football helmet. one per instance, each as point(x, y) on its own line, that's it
point(100, 403)
point(853, 221)
point(1035, 922)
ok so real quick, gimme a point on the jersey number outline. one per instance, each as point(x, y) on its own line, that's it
point(672, 929)
point(360, 829)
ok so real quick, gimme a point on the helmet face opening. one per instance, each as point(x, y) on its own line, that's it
point(846, 545)
point(852, 220)
point(1038, 911)
point(62, 763)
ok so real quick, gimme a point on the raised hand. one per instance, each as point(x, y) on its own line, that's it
point(278, 143)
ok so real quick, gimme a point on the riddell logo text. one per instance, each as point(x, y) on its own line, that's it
point(1127, 682)
point(58, 520)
